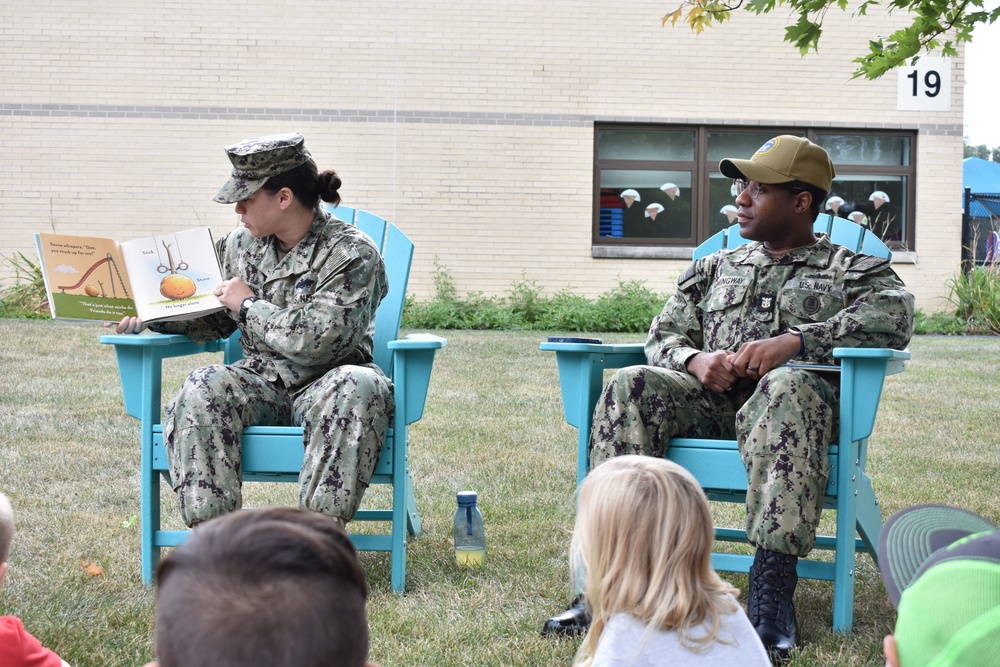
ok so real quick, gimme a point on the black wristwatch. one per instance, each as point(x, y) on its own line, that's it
point(245, 306)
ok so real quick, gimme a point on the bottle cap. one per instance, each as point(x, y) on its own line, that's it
point(466, 498)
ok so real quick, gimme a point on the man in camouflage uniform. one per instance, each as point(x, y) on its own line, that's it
point(715, 356)
point(307, 316)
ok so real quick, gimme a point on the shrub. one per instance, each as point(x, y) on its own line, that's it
point(570, 312)
point(976, 297)
point(628, 307)
point(939, 323)
point(26, 298)
point(527, 302)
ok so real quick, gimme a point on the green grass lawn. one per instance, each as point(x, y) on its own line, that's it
point(69, 461)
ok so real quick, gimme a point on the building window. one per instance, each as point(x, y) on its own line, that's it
point(660, 186)
point(874, 183)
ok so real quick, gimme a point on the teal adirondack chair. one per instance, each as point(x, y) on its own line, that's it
point(717, 465)
point(275, 453)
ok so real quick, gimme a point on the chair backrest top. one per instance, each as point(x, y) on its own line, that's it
point(841, 231)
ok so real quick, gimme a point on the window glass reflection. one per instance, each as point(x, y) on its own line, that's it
point(876, 202)
point(866, 149)
point(645, 145)
point(645, 203)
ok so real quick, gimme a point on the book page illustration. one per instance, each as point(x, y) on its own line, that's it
point(173, 275)
point(85, 277)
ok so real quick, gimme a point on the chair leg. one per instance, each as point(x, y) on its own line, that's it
point(843, 591)
point(869, 516)
point(846, 554)
point(400, 502)
point(412, 516)
point(150, 523)
point(399, 521)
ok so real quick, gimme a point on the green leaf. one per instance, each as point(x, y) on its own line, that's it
point(935, 26)
point(804, 34)
point(761, 6)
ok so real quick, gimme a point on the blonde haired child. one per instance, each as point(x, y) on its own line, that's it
point(17, 647)
point(642, 543)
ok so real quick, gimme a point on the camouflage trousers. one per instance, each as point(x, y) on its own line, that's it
point(344, 416)
point(784, 425)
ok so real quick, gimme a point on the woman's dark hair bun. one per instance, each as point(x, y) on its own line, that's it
point(329, 185)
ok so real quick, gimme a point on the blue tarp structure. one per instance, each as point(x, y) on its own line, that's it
point(981, 203)
point(982, 177)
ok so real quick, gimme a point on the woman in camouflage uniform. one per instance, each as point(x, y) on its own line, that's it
point(303, 288)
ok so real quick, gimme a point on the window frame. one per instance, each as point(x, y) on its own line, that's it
point(606, 246)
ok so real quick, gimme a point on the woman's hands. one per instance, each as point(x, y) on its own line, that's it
point(232, 292)
point(128, 325)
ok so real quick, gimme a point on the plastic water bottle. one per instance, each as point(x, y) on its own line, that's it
point(470, 543)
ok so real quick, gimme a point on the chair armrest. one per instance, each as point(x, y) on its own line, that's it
point(140, 364)
point(862, 376)
point(418, 341)
point(894, 358)
point(581, 378)
point(412, 362)
point(613, 350)
point(581, 373)
point(175, 345)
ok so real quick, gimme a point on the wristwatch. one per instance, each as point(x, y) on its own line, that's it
point(245, 306)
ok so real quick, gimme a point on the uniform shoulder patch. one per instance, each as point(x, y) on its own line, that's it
point(689, 273)
point(696, 273)
point(867, 263)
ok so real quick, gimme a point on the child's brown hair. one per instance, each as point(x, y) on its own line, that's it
point(273, 586)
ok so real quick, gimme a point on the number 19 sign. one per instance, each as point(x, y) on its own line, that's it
point(926, 86)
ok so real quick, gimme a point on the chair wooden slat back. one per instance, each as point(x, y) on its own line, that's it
point(399, 257)
point(397, 250)
point(373, 226)
point(840, 230)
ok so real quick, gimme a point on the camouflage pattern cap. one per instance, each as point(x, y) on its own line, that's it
point(257, 160)
point(783, 159)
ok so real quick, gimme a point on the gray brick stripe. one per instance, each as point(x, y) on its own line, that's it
point(386, 116)
point(303, 115)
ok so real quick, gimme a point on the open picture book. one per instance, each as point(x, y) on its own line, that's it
point(157, 278)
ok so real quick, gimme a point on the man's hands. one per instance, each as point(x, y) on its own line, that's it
point(719, 371)
point(232, 292)
point(713, 369)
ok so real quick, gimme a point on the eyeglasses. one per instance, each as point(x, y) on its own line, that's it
point(752, 188)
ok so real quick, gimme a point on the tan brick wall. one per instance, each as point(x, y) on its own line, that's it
point(469, 124)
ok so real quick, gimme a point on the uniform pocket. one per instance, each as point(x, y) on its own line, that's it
point(724, 298)
point(722, 307)
point(810, 305)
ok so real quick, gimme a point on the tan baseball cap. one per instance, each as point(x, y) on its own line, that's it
point(782, 159)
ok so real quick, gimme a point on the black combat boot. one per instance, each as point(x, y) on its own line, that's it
point(573, 621)
point(771, 612)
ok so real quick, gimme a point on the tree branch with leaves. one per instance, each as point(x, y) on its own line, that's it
point(935, 26)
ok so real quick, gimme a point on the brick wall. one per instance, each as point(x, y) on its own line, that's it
point(469, 124)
